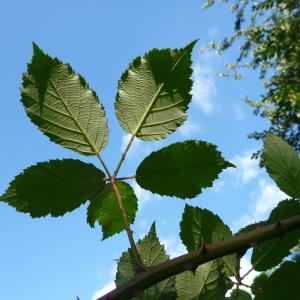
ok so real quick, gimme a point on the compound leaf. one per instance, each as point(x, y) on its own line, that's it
point(151, 253)
point(54, 187)
point(207, 283)
point(154, 93)
point(283, 165)
point(182, 169)
point(199, 226)
point(62, 105)
point(104, 208)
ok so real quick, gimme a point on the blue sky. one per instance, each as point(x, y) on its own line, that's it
point(58, 258)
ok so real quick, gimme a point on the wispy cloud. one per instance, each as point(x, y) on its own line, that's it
point(238, 112)
point(204, 88)
point(266, 197)
point(246, 168)
point(142, 195)
point(106, 288)
point(189, 128)
point(173, 246)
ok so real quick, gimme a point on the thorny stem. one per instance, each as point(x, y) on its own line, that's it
point(136, 257)
point(192, 260)
point(124, 155)
point(104, 166)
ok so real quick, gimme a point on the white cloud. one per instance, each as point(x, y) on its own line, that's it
point(142, 195)
point(204, 88)
point(218, 185)
point(238, 112)
point(173, 247)
point(246, 168)
point(266, 198)
point(135, 145)
point(107, 288)
point(189, 128)
point(245, 267)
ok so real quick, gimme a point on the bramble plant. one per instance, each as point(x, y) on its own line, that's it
point(151, 103)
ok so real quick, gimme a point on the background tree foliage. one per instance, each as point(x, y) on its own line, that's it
point(269, 31)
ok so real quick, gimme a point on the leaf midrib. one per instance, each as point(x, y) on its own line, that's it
point(154, 98)
point(73, 117)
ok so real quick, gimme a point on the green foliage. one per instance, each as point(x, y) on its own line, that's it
point(282, 164)
point(239, 294)
point(270, 253)
point(105, 209)
point(199, 226)
point(185, 167)
point(62, 105)
point(269, 32)
point(152, 253)
point(282, 284)
point(54, 187)
point(208, 282)
point(154, 93)
point(258, 283)
point(152, 100)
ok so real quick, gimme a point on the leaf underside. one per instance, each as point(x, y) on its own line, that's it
point(282, 284)
point(151, 253)
point(54, 187)
point(208, 282)
point(199, 226)
point(62, 105)
point(270, 253)
point(283, 165)
point(104, 208)
point(182, 169)
point(154, 93)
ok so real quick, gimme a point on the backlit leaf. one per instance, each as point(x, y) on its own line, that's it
point(283, 165)
point(154, 93)
point(54, 187)
point(208, 283)
point(151, 253)
point(182, 169)
point(199, 226)
point(62, 105)
point(104, 208)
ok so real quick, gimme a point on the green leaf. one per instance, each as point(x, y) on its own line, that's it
point(283, 165)
point(182, 169)
point(104, 208)
point(151, 253)
point(62, 105)
point(54, 187)
point(154, 93)
point(258, 283)
point(268, 254)
point(282, 284)
point(239, 294)
point(199, 226)
point(208, 283)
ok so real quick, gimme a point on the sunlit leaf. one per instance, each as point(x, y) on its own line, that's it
point(154, 93)
point(152, 253)
point(62, 105)
point(182, 169)
point(105, 209)
point(54, 187)
point(283, 165)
